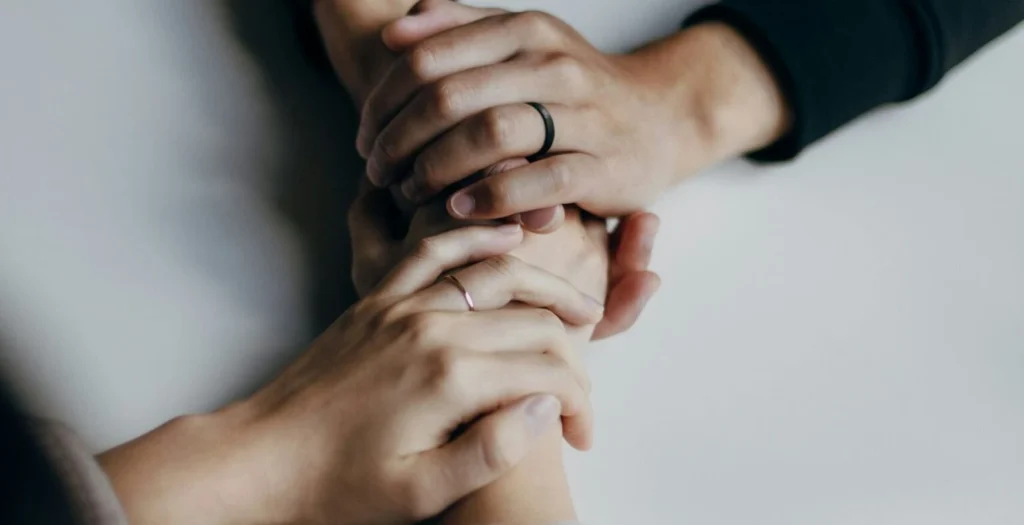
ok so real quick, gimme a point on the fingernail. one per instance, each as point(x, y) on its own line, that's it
point(509, 229)
point(361, 143)
point(596, 305)
point(541, 412)
point(650, 294)
point(648, 243)
point(648, 247)
point(463, 204)
point(409, 189)
point(538, 219)
point(373, 172)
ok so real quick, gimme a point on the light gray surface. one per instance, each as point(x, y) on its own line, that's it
point(839, 340)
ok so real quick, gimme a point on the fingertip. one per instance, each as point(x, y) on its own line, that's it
point(543, 221)
point(578, 431)
point(654, 222)
point(462, 205)
point(403, 33)
point(626, 302)
point(540, 412)
point(652, 283)
point(511, 231)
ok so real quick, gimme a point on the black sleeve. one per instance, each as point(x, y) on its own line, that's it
point(301, 12)
point(837, 59)
point(31, 492)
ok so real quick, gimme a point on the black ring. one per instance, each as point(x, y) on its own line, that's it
point(549, 131)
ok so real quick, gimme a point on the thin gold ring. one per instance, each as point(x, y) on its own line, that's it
point(465, 293)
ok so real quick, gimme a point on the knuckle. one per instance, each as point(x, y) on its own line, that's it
point(445, 373)
point(392, 313)
point(497, 128)
point(507, 266)
point(446, 99)
point(427, 249)
point(368, 308)
point(424, 329)
point(539, 24)
point(559, 177)
point(569, 71)
point(421, 62)
point(380, 317)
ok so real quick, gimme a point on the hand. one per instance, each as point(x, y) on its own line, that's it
point(408, 403)
point(378, 247)
point(627, 126)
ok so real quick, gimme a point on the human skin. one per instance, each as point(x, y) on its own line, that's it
point(536, 492)
point(361, 428)
point(629, 126)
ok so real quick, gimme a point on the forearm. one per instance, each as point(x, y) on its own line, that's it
point(718, 88)
point(190, 470)
point(837, 60)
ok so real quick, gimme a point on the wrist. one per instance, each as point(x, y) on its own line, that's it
point(350, 30)
point(185, 471)
point(721, 90)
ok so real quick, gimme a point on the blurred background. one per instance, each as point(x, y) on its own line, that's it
point(838, 340)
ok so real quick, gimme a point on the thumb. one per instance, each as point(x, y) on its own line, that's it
point(372, 229)
point(429, 18)
point(493, 445)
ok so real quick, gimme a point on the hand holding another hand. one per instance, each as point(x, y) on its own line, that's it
point(408, 403)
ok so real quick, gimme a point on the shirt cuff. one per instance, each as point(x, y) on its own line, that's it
point(833, 60)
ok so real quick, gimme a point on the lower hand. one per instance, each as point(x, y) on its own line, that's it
point(362, 428)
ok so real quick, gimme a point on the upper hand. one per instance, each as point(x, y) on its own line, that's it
point(455, 104)
point(364, 422)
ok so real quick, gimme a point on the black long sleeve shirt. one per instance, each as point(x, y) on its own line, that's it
point(837, 59)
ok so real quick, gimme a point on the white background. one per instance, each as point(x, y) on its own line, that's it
point(839, 340)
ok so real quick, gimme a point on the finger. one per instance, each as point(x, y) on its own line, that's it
point(505, 165)
point(435, 255)
point(490, 448)
point(489, 40)
point(637, 233)
point(475, 382)
point(429, 18)
point(626, 301)
point(495, 282)
point(441, 105)
point(482, 139)
point(544, 220)
point(517, 329)
point(561, 179)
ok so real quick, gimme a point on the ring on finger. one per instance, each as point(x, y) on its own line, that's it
point(462, 289)
point(549, 131)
